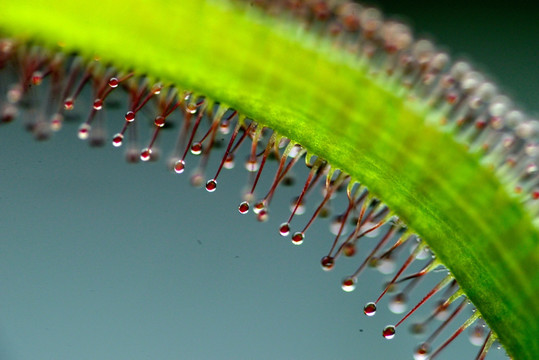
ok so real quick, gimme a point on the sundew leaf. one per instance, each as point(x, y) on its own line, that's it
point(305, 88)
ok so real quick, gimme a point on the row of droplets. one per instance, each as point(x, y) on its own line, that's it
point(465, 102)
point(37, 69)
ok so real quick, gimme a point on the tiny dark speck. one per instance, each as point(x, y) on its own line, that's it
point(199, 242)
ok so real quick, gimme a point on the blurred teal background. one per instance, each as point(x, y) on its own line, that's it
point(103, 260)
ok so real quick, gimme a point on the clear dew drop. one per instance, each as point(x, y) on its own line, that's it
point(211, 185)
point(196, 148)
point(179, 167)
point(327, 263)
point(84, 131)
point(295, 151)
point(336, 225)
point(371, 234)
point(348, 284)
point(389, 332)
point(397, 305)
point(146, 154)
point(301, 207)
point(284, 229)
point(369, 309)
point(386, 265)
point(117, 140)
point(297, 238)
point(243, 208)
point(423, 254)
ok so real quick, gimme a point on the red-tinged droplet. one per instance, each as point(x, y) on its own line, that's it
point(114, 82)
point(224, 127)
point(477, 335)
point(117, 140)
point(229, 162)
point(369, 309)
point(196, 148)
point(37, 78)
point(211, 185)
point(98, 104)
point(56, 122)
point(179, 166)
point(452, 98)
point(259, 206)
point(9, 113)
point(191, 108)
point(348, 284)
point(132, 156)
point(69, 104)
point(157, 89)
point(284, 229)
point(535, 194)
point(130, 116)
point(146, 154)
point(159, 121)
point(442, 310)
point(297, 238)
point(327, 263)
point(349, 249)
point(197, 179)
point(421, 352)
point(480, 124)
point(518, 189)
point(262, 216)
point(14, 93)
point(251, 166)
point(84, 131)
point(389, 332)
point(243, 208)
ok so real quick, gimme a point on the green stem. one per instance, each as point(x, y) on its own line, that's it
point(322, 97)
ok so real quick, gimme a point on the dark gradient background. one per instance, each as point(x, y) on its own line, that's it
point(103, 260)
